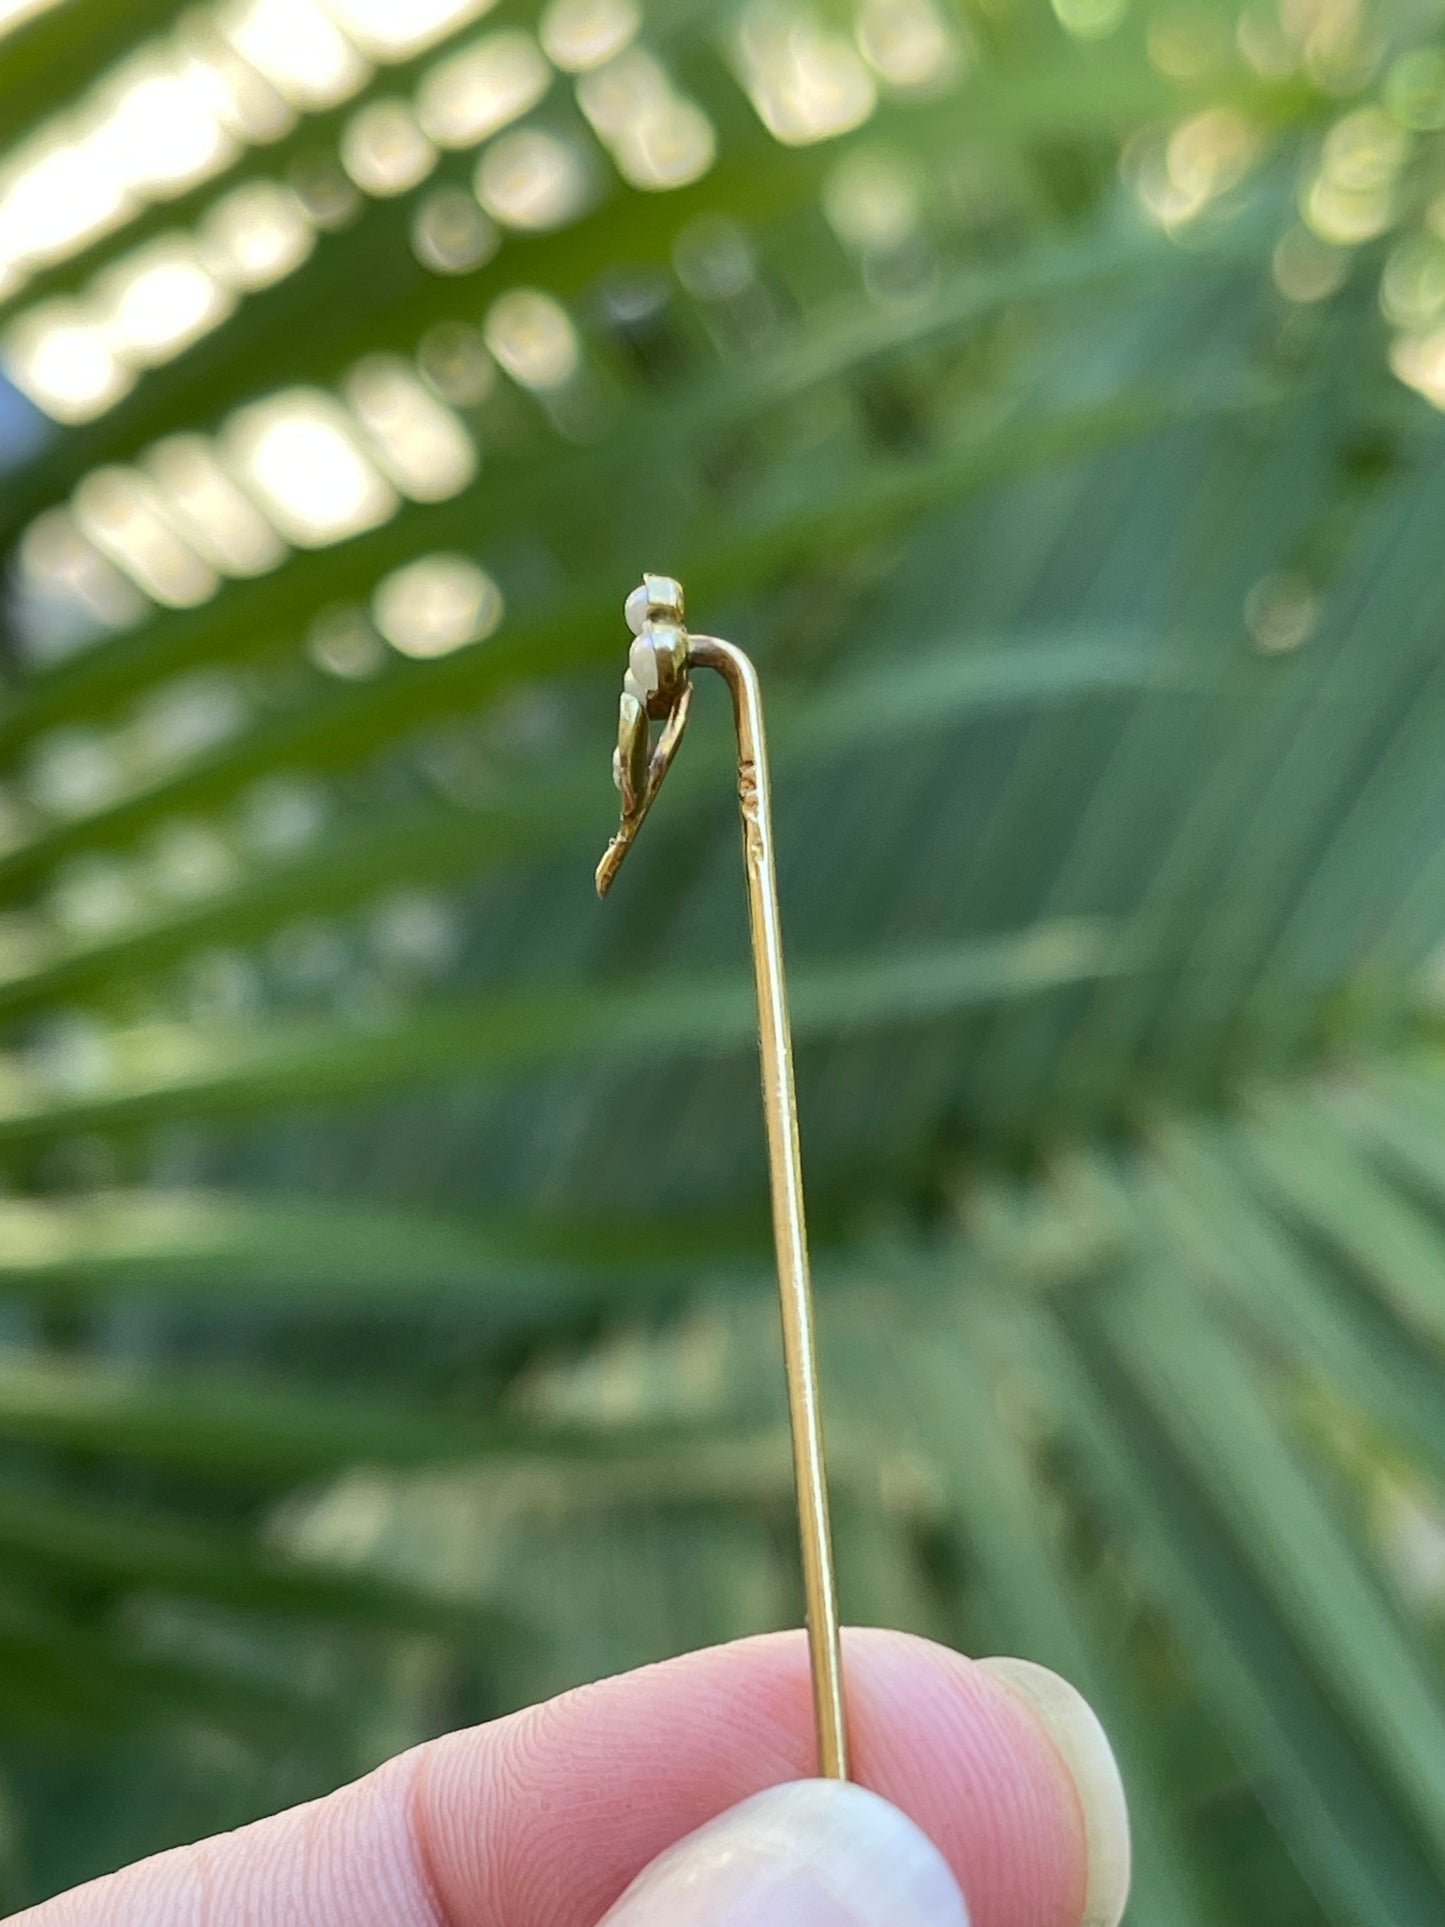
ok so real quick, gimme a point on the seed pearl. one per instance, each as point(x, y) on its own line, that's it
point(635, 609)
point(642, 664)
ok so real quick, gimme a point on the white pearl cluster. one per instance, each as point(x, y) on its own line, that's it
point(657, 658)
point(656, 668)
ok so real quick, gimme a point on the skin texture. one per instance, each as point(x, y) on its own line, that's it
point(542, 1819)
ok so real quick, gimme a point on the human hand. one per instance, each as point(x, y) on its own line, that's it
point(544, 1818)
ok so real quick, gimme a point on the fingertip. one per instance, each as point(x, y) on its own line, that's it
point(1083, 1746)
point(967, 1758)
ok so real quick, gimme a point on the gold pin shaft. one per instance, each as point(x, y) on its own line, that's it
point(786, 1174)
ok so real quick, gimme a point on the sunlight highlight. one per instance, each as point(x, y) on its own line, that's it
point(470, 95)
point(910, 45)
point(657, 138)
point(1352, 198)
point(391, 30)
point(62, 358)
point(301, 455)
point(188, 103)
point(124, 517)
point(1412, 288)
point(384, 150)
point(159, 127)
point(170, 117)
point(1177, 176)
point(1419, 361)
point(671, 147)
point(210, 509)
point(636, 83)
point(806, 82)
point(76, 358)
point(532, 180)
point(256, 235)
point(421, 444)
point(532, 337)
point(299, 48)
point(159, 300)
point(248, 105)
point(57, 193)
point(578, 34)
point(450, 234)
point(75, 588)
point(15, 13)
point(437, 605)
point(873, 201)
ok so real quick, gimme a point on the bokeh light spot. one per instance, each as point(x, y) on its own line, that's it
point(159, 300)
point(384, 149)
point(807, 82)
point(126, 519)
point(450, 234)
point(61, 357)
point(422, 446)
point(578, 34)
point(300, 453)
point(473, 94)
point(532, 337)
point(436, 605)
point(532, 180)
point(396, 29)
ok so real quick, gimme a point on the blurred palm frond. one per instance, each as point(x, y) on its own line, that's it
point(1044, 396)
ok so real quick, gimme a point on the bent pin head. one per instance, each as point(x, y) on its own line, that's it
point(656, 688)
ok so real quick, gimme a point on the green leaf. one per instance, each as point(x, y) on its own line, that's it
point(91, 1545)
point(182, 1072)
point(248, 1428)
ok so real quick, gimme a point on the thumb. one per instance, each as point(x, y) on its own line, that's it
point(814, 1853)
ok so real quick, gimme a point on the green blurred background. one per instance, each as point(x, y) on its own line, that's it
point(387, 1329)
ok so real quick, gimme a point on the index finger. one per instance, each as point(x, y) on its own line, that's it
point(544, 1818)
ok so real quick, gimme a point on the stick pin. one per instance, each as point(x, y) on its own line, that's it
point(658, 689)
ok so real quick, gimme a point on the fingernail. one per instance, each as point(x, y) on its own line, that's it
point(814, 1853)
point(1073, 1726)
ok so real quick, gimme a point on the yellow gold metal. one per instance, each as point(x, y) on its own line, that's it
point(632, 736)
point(670, 704)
